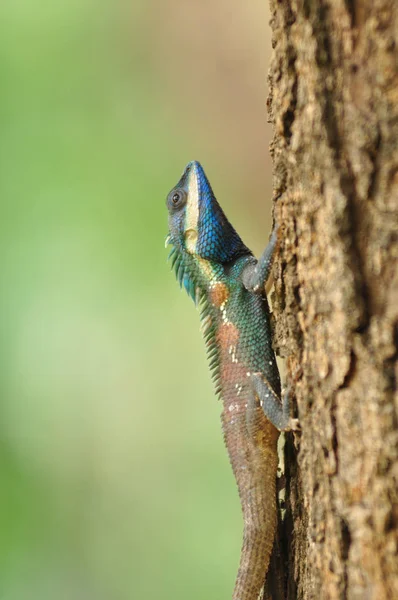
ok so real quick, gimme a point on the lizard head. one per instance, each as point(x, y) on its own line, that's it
point(197, 224)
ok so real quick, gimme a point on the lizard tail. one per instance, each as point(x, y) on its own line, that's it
point(259, 512)
point(251, 441)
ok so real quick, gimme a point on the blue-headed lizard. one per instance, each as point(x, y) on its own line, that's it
point(222, 276)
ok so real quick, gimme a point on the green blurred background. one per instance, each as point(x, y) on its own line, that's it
point(114, 480)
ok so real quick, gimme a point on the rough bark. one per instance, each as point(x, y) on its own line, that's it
point(334, 106)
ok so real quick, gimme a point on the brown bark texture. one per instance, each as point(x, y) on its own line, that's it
point(334, 106)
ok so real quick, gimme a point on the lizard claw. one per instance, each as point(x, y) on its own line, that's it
point(294, 425)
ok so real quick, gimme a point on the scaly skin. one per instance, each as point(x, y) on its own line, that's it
point(222, 276)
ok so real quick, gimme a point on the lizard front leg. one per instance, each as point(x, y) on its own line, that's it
point(255, 275)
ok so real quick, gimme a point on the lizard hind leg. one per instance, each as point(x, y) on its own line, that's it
point(276, 410)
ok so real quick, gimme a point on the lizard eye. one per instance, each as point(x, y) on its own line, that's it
point(176, 198)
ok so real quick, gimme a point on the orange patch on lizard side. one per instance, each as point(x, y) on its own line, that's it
point(219, 294)
point(227, 334)
point(233, 375)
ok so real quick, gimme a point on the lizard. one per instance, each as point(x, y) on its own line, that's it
point(227, 283)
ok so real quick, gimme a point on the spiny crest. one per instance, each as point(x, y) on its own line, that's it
point(209, 334)
point(183, 274)
point(186, 278)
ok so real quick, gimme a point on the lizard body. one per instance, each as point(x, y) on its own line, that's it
point(222, 276)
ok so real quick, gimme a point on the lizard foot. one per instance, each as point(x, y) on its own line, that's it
point(277, 411)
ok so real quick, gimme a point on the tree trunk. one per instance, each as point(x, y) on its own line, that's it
point(334, 106)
